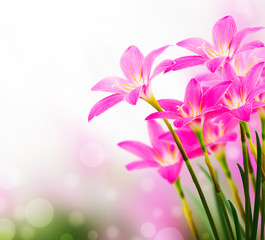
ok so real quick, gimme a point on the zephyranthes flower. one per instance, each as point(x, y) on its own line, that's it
point(226, 43)
point(136, 84)
point(162, 155)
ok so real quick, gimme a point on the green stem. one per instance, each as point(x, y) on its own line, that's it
point(153, 102)
point(262, 211)
point(186, 209)
point(246, 181)
point(223, 162)
point(199, 134)
point(251, 172)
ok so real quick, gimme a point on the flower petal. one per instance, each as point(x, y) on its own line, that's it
point(162, 67)
point(141, 164)
point(179, 123)
point(139, 149)
point(170, 104)
point(131, 63)
point(133, 95)
point(154, 131)
point(193, 94)
point(250, 80)
point(171, 173)
point(104, 104)
point(243, 113)
point(240, 35)
point(196, 45)
point(109, 84)
point(215, 63)
point(214, 94)
point(149, 60)
point(163, 115)
point(185, 62)
point(251, 45)
point(256, 91)
point(223, 31)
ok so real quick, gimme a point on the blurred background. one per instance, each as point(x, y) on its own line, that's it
point(62, 178)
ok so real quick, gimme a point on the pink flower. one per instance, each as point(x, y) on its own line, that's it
point(198, 105)
point(162, 155)
point(226, 44)
point(136, 84)
point(241, 97)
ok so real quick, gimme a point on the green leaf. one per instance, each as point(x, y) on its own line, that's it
point(257, 191)
point(236, 221)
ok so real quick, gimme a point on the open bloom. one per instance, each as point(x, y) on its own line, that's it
point(162, 155)
point(198, 105)
point(226, 43)
point(242, 96)
point(136, 83)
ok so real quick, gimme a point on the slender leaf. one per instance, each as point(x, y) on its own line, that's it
point(236, 221)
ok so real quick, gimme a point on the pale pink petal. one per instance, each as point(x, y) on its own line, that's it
point(109, 84)
point(213, 95)
point(171, 173)
point(139, 149)
point(170, 104)
point(193, 94)
point(154, 131)
point(256, 91)
point(209, 79)
point(149, 60)
point(243, 113)
point(141, 164)
point(162, 67)
point(230, 75)
point(196, 45)
point(250, 80)
point(251, 45)
point(185, 62)
point(215, 63)
point(240, 35)
point(163, 115)
point(257, 104)
point(104, 105)
point(223, 32)
point(131, 63)
point(133, 96)
point(231, 137)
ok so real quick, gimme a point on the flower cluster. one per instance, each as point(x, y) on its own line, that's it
point(225, 95)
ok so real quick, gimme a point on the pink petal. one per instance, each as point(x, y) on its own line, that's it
point(239, 36)
point(163, 115)
point(230, 75)
point(149, 60)
point(196, 45)
point(133, 95)
point(170, 104)
point(162, 67)
point(141, 164)
point(251, 45)
point(231, 137)
point(256, 91)
point(109, 84)
point(154, 131)
point(179, 123)
point(214, 94)
point(223, 31)
point(215, 63)
point(250, 80)
point(104, 105)
point(193, 94)
point(139, 149)
point(185, 62)
point(171, 173)
point(131, 63)
point(209, 79)
point(243, 113)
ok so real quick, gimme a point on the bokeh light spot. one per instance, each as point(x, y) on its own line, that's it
point(148, 230)
point(113, 232)
point(92, 154)
point(7, 229)
point(233, 152)
point(67, 236)
point(76, 218)
point(169, 234)
point(39, 212)
point(92, 235)
point(27, 232)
